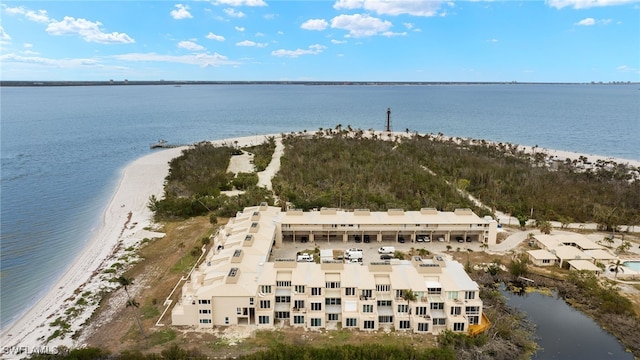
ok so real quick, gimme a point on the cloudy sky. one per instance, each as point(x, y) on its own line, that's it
point(343, 40)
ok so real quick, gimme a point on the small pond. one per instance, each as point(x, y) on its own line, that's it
point(565, 333)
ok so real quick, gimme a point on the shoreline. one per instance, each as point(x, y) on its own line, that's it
point(124, 224)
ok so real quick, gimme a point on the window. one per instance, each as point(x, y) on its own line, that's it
point(204, 311)
point(405, 324)
point(263, 319)
point(473, 320)
point(369, 324)
point(265, 289)
point(316, 322)
point(333, 301)
point(316, 306)
point(403, 308)
point(421, 310)
point(299, 289)
point(366, 293)
point(469, 295)
point(351, 322)
point(434, 291)
point(282, 315)
point(298, 319)
point(238, 311)
point(226, 320)
point(458, 326)
point(452, 295)
point(205, 321)
point(472, 310)
point(298, 304)
point(383, 288)
point(367, 308)
point(399, 294)
point(332, 284)
point(456, 310)
point(546, 261)
point(204, 302)
point(437, 306)
point(250, 301)
point(332, 317)
point(316, 291)
point(283, 299)
point(265, 304)
point(385, 319)
point(283, 283)
point(350, 291)
point(384, 302)
point(424, 327)
point(439, 321)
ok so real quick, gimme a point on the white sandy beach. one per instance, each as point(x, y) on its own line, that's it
point(140, 179)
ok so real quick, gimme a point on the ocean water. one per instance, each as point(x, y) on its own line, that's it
point(62, 148)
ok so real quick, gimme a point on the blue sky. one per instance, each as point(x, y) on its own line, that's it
point(342, 40)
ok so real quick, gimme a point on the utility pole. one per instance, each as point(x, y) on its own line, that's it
point(388, 127)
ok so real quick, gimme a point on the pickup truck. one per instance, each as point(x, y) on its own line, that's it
point(305, 257)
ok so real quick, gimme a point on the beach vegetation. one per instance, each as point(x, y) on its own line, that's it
point(262, 153)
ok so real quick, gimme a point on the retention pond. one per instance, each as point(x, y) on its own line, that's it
point(564, 332)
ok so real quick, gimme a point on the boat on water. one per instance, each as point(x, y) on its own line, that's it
point(160, 144)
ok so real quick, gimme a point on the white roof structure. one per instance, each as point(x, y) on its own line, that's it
point(584, 265)
point(542, 254)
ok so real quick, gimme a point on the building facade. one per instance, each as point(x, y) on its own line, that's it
point(238, 283)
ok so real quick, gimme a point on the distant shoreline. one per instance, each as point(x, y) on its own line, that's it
point(35, 83)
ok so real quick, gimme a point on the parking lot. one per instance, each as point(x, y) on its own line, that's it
point(289, 250)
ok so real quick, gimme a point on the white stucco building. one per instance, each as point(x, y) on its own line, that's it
point(238, 283)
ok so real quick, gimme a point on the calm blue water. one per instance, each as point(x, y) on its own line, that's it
point(62, 148)
point(564, 332)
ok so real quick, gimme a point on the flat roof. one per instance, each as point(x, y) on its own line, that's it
point(584, 265)
point(341, 217)
point(542, 254)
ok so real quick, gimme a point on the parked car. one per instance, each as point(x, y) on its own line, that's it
point(366, 239)
point(386, 250)
point(305, 257)
point(459, 239)
point(386, 256)
point(401, 239)
point(441, 239)
point(468, 238)
point(358, 239)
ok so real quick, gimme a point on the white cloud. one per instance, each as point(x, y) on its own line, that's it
point(88, 30)
point(181, 12)
point(392, 34)
point(408, 25)
point(40, 16)
point(312, 50)
point(337, 42)
point(233, 13)
point(494, 40)
point(60, 63)
point(4, 37)
point(202, 60)
point(249, 43)
point(239, 28)
point(393, 7)
point(585, 4)
point(213, 36)
point(360, 25)
point(626, 68)
point(259, 34)
point(315, 24)
point(240, 2)
point(592, 21)
point(586, 22)
point(190, 45)
point(27, 45)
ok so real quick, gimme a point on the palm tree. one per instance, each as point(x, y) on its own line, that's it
point(545, 227)
point(617, 269)
point(135, 305)
point(409, 296)
point(124, 282)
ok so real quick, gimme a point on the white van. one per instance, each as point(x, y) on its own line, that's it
point(354, 254)
point(305, 257)
point(386, 250)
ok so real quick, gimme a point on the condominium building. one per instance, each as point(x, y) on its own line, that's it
point(239, 284)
